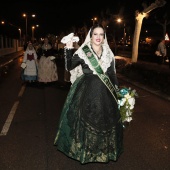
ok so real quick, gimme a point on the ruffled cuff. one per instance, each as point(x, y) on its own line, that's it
point(68, 52)
point(70, 48)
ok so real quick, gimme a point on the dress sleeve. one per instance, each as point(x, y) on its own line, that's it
point(39, 52)
point(71, 61)
point(35, 56)
point(112, 74)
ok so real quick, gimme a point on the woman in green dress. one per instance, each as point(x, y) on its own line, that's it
point(90, 127)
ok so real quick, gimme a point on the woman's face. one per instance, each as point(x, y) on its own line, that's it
point(97, 36)
point(30, 46)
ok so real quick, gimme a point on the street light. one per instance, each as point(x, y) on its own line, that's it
point(119, 20)
point(94, 20)
point(33, 29)
point(26, 23)
point(5, 22)
point(25, 15)
point(19, 33)
point(2, 22)
point(19, 36)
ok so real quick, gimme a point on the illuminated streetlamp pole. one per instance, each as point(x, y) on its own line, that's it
point(94, 19)
point(119, 20)
point(33, 28)
point(19, 33)
point(25, 15)
point(26, 23)
point(33, 31)
point(124, 34)
point(19, 36)
point(12, 25)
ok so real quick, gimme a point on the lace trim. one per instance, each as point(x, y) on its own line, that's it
point(105, 62)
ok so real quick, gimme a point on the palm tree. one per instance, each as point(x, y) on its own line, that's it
point(139, 19)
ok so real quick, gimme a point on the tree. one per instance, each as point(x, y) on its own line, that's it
point(139, 19)
point(164, 20)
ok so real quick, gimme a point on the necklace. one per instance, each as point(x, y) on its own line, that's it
point(98, 53)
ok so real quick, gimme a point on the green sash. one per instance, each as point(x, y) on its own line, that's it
point(105, 79)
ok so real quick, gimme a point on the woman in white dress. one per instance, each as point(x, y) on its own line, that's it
point(29, 64)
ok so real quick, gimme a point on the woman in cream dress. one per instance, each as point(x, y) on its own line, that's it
point(47, 68)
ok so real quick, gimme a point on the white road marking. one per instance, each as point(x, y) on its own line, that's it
point(21, 91)
point(9, 119)
point(11, 114)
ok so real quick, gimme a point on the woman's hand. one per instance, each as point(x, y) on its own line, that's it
point(69, 44)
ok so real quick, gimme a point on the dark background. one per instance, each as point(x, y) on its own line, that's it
point(58, 16)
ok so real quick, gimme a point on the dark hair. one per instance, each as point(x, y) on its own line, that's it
point(96, 26)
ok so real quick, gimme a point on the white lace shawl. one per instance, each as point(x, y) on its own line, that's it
point(105, 61)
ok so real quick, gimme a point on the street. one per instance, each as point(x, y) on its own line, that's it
point(29, 116)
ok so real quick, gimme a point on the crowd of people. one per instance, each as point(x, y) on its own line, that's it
point(90, 127)
point(39, 63)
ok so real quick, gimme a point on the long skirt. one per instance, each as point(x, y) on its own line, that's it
point(30, 72)
point(47, 70)
point(90, 128)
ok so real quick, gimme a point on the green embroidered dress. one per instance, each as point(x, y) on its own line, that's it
point(90, 129)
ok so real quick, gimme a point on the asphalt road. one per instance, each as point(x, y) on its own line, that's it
point(29, 115)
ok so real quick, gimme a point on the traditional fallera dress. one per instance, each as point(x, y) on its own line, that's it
point(47, 68)
point(90, 128)
point(30, 71)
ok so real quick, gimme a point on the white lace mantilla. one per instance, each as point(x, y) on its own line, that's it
point(105, 62)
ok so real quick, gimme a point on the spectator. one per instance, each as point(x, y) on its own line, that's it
point(162, 52)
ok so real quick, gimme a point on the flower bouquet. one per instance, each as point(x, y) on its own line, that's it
point(126, 101)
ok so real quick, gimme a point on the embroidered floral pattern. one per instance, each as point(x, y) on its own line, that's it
point(89, 54)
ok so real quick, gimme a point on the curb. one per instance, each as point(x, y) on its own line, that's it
point(139, 85)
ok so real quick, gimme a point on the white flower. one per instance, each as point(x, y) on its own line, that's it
point(128, 119)
point(131, 107)
point(126, 103)
point(131, 101)
point(122, 101)
point(127, 96)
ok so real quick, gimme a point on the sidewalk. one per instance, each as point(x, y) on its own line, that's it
point(6, 59)
point(151, 66)
point(153, 91)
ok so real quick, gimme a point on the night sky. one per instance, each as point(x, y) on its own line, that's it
point(58, 16)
